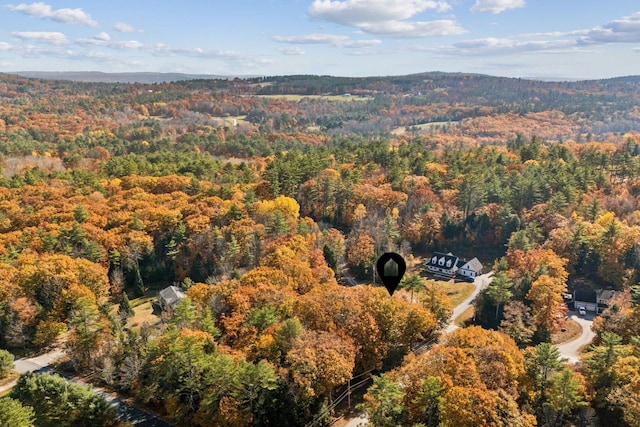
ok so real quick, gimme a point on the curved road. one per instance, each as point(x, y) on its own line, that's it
point(570, 350)
point(126, 412)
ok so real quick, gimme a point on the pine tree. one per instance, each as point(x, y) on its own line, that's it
point(80, 214)
point(125, 310)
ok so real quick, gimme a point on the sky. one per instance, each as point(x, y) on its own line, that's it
point(555, 39)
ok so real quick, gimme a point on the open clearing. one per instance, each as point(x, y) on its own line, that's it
point(402, 130)
point(143, 309)
point(457, 292)
point(343, 98)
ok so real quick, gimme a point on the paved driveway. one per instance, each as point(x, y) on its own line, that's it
point(570, 350)
point(480, 282)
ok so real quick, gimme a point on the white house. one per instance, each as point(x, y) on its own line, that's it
point(443, 264)
point(470, 269)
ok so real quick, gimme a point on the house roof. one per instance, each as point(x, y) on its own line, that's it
point(171, 295)
point(441, 260)
point(585, 295)
point(606, 294)
point(474, 265)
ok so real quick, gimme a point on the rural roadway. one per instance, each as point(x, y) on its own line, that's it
point(480, 283)
point(125, 411)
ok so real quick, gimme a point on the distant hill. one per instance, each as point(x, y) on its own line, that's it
point(100, 77)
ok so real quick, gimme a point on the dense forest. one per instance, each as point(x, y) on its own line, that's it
point(258, 196)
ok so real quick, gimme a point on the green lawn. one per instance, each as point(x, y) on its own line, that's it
point(457, 292)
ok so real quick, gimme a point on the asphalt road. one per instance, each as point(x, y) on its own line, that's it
point(570, 350)
point(125, 412)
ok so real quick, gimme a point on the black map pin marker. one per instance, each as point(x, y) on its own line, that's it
point(391, 274)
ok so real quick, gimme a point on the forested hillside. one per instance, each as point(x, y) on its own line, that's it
point(258, 196)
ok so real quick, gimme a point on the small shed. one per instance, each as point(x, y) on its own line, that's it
point(170, 296)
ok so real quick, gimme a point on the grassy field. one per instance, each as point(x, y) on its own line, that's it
point(457, 292)
point(229, 120)
point(143, 309)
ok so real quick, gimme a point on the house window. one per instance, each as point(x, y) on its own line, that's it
point(448, 263)
point(434, 259)
point(441, 262)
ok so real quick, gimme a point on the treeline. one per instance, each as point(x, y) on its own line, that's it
point(123, 118)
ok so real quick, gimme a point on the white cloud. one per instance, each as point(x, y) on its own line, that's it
point(121, 45)
point(125, 28)
point(5, 46)
point(102, 36)
point(389, 18)
point(43, 10)
point(311, 39)
point(409, 29)
point(625, 30)
point(496, 6)
point(503, 46)
point(232, 57)
point(356, 12)
point(31, 51)
point(50, 37)
point(330, 39)
point(293, 51)
point(127, 44)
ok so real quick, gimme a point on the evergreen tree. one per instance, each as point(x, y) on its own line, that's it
point(57, 402)
point(125, 309)
point(499, 291)
point(80, 214)
point(184, 314)
point(6, 363)
point(15, 414)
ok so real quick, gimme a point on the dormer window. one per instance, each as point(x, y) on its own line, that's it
point(449, 263)
point(434, 260)
point(441, 262)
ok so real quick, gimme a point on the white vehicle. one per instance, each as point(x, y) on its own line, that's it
point(582, 311)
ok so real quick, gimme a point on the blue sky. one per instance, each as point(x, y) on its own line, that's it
point(518, 38)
